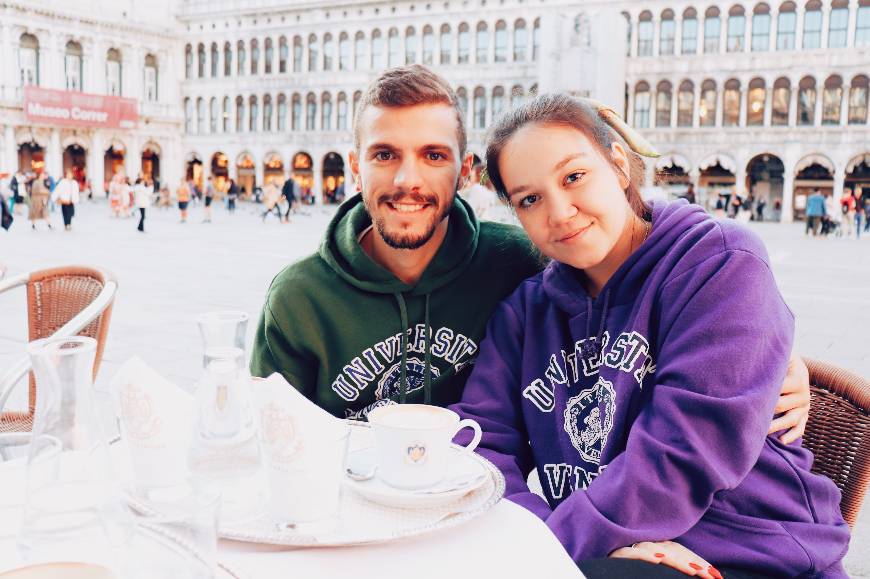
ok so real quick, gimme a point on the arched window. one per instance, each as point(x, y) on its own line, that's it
point(283, 54)
point(215, 60)
point(736, 29)
point(813, 25)
point(832, 99)
point(359, 50)
point(755, 103)
point(188, 116)
point(113, 71)
point(326, 112)
point(228, 59)
point(858, 100)
point(839, 24)
point(786, 25)
point(685, 104)
point(536, 38)
point(707, 106)
point(481, 53)
point(641, 105)
point(462, 100)
point(225, 115)
point(73, 66)
point(394, 48)
point(428, 45)
point(689, 35)
point(667, 32)
point(200, 116)
point(521, 41)
point(464, 48)
point(298, 54)
point(341, 125)
point(150, 78)
point(268, 56)
point(267, 113)
point(313, 54)
point(253, 113)
point(213, 115)
point(781, 102)
point(761, 28)
point(255, 56)
point(862, 24)
point(310, 112)
point(410, 45)
point(188, 61)
point(377, 50)
point(517, 96)
point(200, 61)
point(344, 52)
point(446, 44)
point(479, 108)
point(497, 101)
point(807, 101)
point(501, 41)
point(240, 114)
point(645, 34)
point(731, 103)
point(328, 51)
point(712, 30)
point(282, 113)
point(664, 96)
point(243, 57)
point(296, 112)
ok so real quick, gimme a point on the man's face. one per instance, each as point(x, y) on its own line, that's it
point(409, 168)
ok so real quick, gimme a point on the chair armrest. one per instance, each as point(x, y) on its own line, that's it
point(13, 282)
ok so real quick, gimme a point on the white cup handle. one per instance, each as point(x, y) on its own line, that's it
point(478, 433)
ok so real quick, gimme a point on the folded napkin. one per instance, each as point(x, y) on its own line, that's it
point(156, 418)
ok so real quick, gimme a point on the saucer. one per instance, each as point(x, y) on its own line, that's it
point(462, 465)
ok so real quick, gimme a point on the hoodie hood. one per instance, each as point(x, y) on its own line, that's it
point(343, 253)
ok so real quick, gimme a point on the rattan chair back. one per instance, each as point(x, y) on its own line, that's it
point(54, 297)
point(838, 432)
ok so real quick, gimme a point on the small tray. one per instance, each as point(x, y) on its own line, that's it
point(364, 522)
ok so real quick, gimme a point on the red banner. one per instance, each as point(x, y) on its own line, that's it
point(77, 109)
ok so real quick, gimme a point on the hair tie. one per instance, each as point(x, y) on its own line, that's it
point(635, 141)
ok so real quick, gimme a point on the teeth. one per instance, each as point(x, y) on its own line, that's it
point(407, 207)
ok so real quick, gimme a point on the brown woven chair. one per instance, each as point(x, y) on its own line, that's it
point(838, 432)
point(61, 302)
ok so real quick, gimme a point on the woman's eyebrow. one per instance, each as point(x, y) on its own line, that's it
point(567, 160)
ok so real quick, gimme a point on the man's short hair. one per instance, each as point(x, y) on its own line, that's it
point(407, 86)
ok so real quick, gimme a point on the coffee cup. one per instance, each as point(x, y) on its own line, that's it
point(413, 443)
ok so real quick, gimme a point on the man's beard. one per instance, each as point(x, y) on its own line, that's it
point(400, 240)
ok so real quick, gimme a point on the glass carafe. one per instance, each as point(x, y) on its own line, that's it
point(222, 332)
point(73, 510)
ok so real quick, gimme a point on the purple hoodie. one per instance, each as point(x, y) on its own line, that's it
point(647, 408)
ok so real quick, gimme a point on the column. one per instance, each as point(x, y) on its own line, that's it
point(96, 163)
point(839, 181)
point(768, 103)
point(54, 157)
point(490, 51)
point(10, 156)
point(52, 75)
point(774, 27)
point(799, 27)
point(696, 110)
point(634, 34)
point(793, 104)
point(675, 99)
point(817, 110)
point(740, 179)
point(747, 32)
point(844, 105)
point(657, 34)
point(720, 104)
point(723, 32)
point(678, 35)
point(132, 68)
point(744, 92)
point(6, 61)
point(826, 17)
point(787, 215)
point(853, 21)
point(133, 158)
point(629, 114)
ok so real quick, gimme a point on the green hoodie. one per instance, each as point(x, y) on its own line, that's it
point(347, 333)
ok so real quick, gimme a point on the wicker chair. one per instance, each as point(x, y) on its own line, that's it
point(838, 432)
point(61, 302)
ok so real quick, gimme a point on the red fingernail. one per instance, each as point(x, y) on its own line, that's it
point(714, 572)
point(659, 555)
point(695, 566)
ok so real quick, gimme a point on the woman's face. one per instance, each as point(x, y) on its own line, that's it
point(568, 197)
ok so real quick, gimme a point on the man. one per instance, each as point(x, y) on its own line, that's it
point(289, 192)
point(815, 212)
point(209, 197)
point(403, 260)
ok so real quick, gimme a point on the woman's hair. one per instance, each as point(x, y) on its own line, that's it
point(567, 111)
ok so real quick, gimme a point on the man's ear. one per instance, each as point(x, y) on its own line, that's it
point(353, 159)
point(620, 157)
point(465, 169)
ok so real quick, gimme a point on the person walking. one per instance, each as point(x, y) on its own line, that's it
point(848, 205)
point(860, 217)
point(183, 194)
point(289, 192)
point(271, 196)
point(67, 192)
point(39, 194)
point(209, 197)
point(815, 212)
point(142, 196)
point(232, 195)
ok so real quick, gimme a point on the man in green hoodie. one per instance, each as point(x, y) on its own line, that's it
point(395, 303)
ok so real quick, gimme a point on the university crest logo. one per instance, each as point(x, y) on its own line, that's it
point(589, 419)
point(389, 385)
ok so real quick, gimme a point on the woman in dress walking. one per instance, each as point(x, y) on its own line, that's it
point(39, 195)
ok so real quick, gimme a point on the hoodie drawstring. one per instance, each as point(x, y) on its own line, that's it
point(427, 378)
point(592, 349)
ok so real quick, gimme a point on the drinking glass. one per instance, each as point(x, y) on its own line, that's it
point(223, 329)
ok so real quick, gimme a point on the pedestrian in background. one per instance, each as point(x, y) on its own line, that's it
point(183, 193)
point(860, 217)
point(232, 195)
point(67, 193)
point(289, 191)
point(815, 212)
point(848, 205)
point(209, 197)
point(39, 195)
point(271, 196)
point(142, 195)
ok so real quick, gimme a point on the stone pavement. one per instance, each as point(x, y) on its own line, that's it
point(175, 271)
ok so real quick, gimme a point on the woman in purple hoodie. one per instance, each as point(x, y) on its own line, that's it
point(638, 372)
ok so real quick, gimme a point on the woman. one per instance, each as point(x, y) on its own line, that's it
point(638, 372)
point(67, 192)
point(142, 196)
point(183, 194)
point(39, 196)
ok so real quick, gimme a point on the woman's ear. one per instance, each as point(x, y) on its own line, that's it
point(620, 157)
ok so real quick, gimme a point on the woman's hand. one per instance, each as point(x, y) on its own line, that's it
point(670, 554)
point(794, 402)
